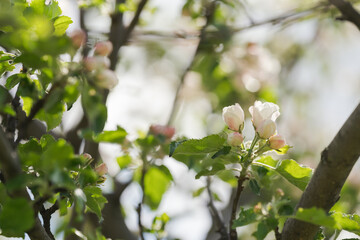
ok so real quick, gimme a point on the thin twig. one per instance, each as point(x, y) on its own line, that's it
point(348, 12)
point(291, 15)
point(209, 13)
point(215, 214)
point(139, 208)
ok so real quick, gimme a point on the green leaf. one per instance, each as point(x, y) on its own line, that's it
point(289, 169)
point(245, 217)
point(52, 10)
point(16, 217)
point(95, 109)
point(61, 24)
point(117, 136)
point(319, 235)
point(224, 151)
point(124, 161)
point(254, 186)
point(94, 199)
point(215, 168)
point(156, 183)
point(209, 144)
point(52, 119)
point(264, 227)
point(294, 173)
point(198, 192)
point(283, 150)
point(315, 216)
point(13, 80)
point(30, 153)
point(347, 222)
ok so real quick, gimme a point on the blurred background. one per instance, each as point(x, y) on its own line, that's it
point(292, 53)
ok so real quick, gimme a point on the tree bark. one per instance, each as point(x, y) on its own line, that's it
point(323, 190)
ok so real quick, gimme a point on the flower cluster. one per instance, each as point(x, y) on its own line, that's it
point(263, 119)
point(98, 65)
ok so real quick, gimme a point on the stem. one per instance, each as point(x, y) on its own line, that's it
point(240, 187)
point(215, 214)
point(142, 184)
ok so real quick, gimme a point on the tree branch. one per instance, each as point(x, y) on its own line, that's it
point(209, 13)
point(215, 214)
point(240, 187)
point(324, 188)
point(11, 168)
point(348, 12)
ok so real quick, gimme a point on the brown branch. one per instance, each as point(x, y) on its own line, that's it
point(11, 168)
point(215, 214)
point(119, 35)
point(209, 14)
point(139, 208)
point(240, 187)
point(348, 12)
point(46, 215)
point(324, 188)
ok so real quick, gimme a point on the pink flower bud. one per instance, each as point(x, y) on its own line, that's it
point(235, 139)
point(87, 156)
point(101, 169)
point(103, 48)
point(266, 129)
point(97, 62)
point(277, 142)
point(78, 38)
point(234, 117)
point(106, 79)
point(166, 131)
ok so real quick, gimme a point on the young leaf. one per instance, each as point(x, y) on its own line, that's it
point(289, 169)
point(117, 136)
point(156, 183)
point(295, 173)
point(124, 161)
point(315, 216)
point(94, 199)
point(224, 151)
point(61, 24)
point(254, 186)
point(209, 144)
point(264, 228)
point(245, 217)
point(198, 192)
point(13, 80)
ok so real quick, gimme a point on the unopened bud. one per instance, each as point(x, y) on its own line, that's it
point(106, 79)
point(258, 208)
point(266, 129)
point(235, 139)
point(95, 63)
point(78, 38)
point(279, 192)
point(101, 169)
point(233, 116)
point(277, 142)
point(166, 131)
point(103, 48)
point(87, 156)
